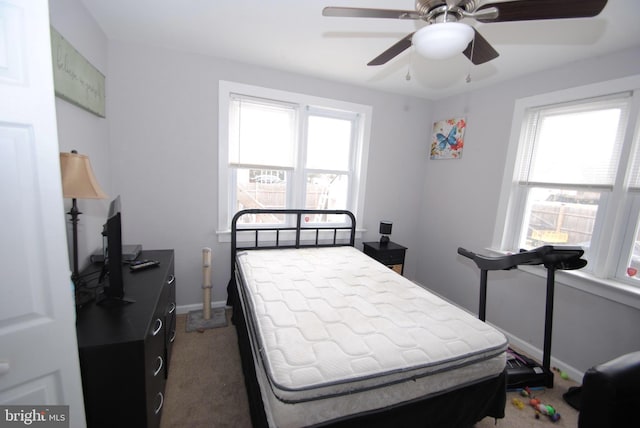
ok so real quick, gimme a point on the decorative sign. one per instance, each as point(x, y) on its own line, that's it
point(74, 78)
point(448, 138)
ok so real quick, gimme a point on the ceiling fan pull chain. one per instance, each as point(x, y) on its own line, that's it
point(473, 46)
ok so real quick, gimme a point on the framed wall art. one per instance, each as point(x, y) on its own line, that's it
point(447, 140)
point(74, 78)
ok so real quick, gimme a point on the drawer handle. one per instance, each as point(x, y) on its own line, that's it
point(172, 307)
point(158, 328)
point(173, 336)
point(172, 279)
point(156, 411)
point(160, 364)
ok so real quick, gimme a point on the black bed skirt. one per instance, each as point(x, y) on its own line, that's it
point(458, 408)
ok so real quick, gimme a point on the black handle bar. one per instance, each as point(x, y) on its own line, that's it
point(560, 257)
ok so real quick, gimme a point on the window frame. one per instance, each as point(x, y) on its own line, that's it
point(359, 150)
point(352, 166)
point(620, 206)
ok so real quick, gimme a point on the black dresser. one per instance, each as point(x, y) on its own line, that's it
point(125, 349)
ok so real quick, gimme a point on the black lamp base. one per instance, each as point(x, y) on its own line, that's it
point(82, 294)
point(384, 240)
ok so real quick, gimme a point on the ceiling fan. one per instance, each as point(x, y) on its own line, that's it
point(445, 36)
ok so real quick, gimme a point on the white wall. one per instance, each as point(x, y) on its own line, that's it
point(83, 131)
point(460, 200)
point(163, 117)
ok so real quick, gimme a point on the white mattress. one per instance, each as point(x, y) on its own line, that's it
point(327, 323)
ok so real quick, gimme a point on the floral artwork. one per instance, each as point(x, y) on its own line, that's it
point(448, 138)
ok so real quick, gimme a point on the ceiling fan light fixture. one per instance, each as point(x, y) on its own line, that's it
point(442, 40)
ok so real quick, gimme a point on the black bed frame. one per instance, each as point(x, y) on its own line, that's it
point(298, 230)
point(461, 407)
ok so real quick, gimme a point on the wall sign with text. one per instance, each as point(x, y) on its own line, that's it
point(74, 78)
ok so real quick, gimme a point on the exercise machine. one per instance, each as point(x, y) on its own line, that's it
point(521, 370)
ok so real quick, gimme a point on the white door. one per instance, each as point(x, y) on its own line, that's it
point(38, 348)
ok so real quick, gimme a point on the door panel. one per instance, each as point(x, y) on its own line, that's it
point(38, 347)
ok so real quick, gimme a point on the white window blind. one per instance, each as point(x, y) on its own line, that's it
point(576, 144)
point(329, 143)
point(262, 133)
point(634, 177)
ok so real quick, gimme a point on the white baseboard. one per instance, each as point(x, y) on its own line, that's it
point(530, 350)
point(185, 309)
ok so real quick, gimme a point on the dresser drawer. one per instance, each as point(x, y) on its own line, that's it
point(155, 368)
point(391, 257)
point(389, 254)
point(170, 320)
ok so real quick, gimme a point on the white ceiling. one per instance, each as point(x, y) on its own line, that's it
point(292, 35)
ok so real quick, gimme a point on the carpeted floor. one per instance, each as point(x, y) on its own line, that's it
point(206, 387)
point(526, 417)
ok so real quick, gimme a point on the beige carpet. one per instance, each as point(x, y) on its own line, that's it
point(206, 387)
point(516, 418)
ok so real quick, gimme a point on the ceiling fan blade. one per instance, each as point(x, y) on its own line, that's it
point(393, 51)
point(544, 9)
point(355, 12)
point(480, 50)
point(488, 14)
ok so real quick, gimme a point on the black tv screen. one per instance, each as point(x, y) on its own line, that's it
point(113, 258)
point(114, 282)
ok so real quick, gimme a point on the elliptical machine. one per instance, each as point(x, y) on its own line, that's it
point(521, 370)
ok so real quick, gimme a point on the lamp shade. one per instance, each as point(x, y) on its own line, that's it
point(78, 181)
point(385, 227)
point(442, 40)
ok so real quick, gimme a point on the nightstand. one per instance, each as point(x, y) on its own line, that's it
point(390, 254)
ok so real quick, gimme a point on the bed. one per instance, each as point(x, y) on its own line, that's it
point(331, 337)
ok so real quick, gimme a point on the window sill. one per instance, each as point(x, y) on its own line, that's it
point(615, 291)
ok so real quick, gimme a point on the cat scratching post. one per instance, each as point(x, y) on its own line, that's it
point(206, 283)
point(200, 320)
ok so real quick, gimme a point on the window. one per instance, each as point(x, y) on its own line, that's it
point(285, 150)
point(576, 177)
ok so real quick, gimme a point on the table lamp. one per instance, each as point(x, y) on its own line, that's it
point(78, 182)
point(385, 230)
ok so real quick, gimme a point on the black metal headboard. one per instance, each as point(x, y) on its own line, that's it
point(298, 229)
